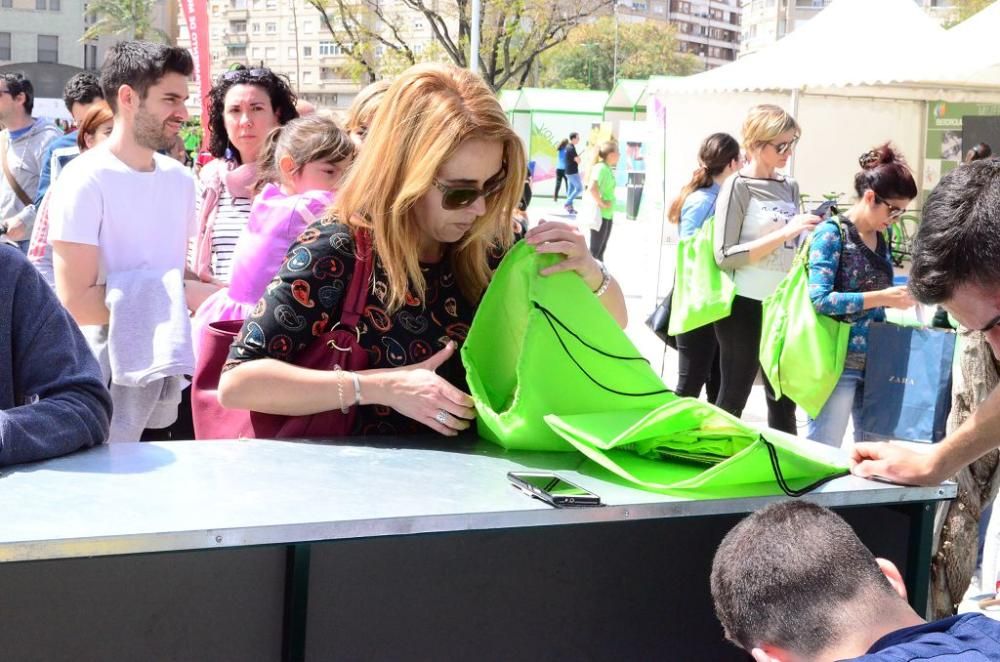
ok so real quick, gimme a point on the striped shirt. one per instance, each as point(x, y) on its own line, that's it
point(231, 217)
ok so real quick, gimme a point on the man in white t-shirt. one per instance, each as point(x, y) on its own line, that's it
point(122, 208)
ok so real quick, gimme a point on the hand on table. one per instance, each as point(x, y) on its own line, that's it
point(895, 463)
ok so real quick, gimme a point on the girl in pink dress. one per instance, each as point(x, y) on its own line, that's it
point(300, 167)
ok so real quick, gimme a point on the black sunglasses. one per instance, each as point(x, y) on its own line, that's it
point(781, 148)
point(460, 197)
point(237, 74)
point(894, 211)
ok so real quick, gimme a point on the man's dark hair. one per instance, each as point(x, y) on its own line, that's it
point(18, 84)
point(82, 88)
point(574, 135)
point(959, 236)
point(784, 575)
point(140, 65)
point(278, 89)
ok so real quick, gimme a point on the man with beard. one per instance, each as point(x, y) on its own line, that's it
point(121, 217)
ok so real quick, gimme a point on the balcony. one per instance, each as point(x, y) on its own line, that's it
point(235, 39)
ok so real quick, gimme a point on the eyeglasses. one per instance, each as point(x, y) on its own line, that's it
point(237, 74)
point(894, 211)
point(783, 148)
point(460, 197)
point(994, 323)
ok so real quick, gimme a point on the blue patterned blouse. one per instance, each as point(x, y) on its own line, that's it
point(837, 282)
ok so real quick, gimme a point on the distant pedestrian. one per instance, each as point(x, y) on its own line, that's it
point(573, 182)
point(602, 189)
point(980, 151)
point(560, 167)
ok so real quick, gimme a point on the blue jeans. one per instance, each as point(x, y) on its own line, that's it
point(846, 400)
point(574, 187)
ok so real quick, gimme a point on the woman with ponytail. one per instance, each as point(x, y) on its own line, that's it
point(698, 360)
point(850, 278)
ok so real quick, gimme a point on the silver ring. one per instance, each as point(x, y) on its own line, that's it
point(441, 417)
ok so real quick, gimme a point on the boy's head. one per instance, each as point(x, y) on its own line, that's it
point(794, 578)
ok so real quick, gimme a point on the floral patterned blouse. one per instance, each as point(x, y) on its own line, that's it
point(841, 269)
point(306, 298)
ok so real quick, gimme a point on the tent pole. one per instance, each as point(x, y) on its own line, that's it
point(795, 114)
point(924, 122)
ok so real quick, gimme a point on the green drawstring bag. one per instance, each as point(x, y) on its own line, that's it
point(703, 293)
point(543, 345)
point(802, 351)
point(689, 448)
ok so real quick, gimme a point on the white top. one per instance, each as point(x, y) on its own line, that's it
point(140, 220)
point(232, 214)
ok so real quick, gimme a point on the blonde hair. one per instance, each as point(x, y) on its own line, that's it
point(306, 139)
point(766, 122)
point(427, 113)
point(362, 110)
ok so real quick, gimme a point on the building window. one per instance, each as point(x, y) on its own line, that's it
point(418, 24)
point(291, 53)
point(90, 56)
point(271, 28)
point(307, 76)
point(238, 4)
point(54, 5)
point(331, 48)
point(659, 9)
point(238, 27)
point(271, 53)
point(255, 53)
point(6, 4)
point(236, 50)
point(308, 27)
point(4, 46)
point(48, 48)
point(307, 51)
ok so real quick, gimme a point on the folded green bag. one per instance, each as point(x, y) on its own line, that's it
point(802, 351)
point(766, 462)
point(545, 345)
point(703, 293)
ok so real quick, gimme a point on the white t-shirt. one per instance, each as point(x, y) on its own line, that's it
point(139, 220)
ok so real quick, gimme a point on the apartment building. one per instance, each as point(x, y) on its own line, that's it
point(766, 21)
point(290, 37)
point(708, 29)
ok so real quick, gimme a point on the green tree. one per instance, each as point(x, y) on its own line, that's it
point(586, 58)
point(966, 8)
point(132, 19)
point(513, 33)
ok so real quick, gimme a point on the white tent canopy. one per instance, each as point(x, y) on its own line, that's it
point(851, 42)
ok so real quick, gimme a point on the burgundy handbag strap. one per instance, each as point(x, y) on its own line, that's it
point(357, 291)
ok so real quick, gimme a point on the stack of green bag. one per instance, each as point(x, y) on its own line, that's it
point(549, 369)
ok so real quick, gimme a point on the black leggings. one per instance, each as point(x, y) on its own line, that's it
point(698, 363)
point(560, 178)
point(599, 239)
point(739, 347)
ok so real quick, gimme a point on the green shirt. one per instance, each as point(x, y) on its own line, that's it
point(605, 179)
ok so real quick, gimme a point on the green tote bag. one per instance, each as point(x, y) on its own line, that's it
point(802, 351)
point(545, 345)
point(703, 293)
point(690, 448)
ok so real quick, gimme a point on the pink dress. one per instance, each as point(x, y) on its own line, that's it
point(275, 221)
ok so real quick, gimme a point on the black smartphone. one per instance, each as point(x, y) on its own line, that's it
point(826, 209)
point(552, 489)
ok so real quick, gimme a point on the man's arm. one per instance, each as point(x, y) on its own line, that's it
point(65, 405)
point(978, 435)
point(76, 269)
point(20, 224)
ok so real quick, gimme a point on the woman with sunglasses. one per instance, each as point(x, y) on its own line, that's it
point(850, 278)
point(244, 105)
point(757, 226)
point(438, 218)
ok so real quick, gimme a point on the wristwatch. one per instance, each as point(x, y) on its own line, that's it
point(605, 280)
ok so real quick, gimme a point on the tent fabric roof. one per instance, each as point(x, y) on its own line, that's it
point(838, 47)
point(973, 49)
point(627, 93)
point(508, 99)
point(559, 101)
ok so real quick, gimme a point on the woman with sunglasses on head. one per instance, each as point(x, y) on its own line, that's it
point(757, 226)
point(362, 111)
point(437, 216)
point(244, 105)
point(698, 350)
point(850, 278)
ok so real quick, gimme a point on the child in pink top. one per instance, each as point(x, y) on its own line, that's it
point(300, 167)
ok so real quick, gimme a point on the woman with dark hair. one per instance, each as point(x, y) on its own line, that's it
point(244, 105)
point(698, 350)
point(850, 278)
point(980, 151)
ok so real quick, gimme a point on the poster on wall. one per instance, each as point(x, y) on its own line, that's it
point(944, 137)
point(652, 208)
point(547, 131)
point(632, 140)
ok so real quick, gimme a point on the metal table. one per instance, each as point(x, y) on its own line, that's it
point(341, 551)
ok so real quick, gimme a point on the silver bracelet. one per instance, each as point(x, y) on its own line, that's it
point(605, 280)
point(357, 388)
